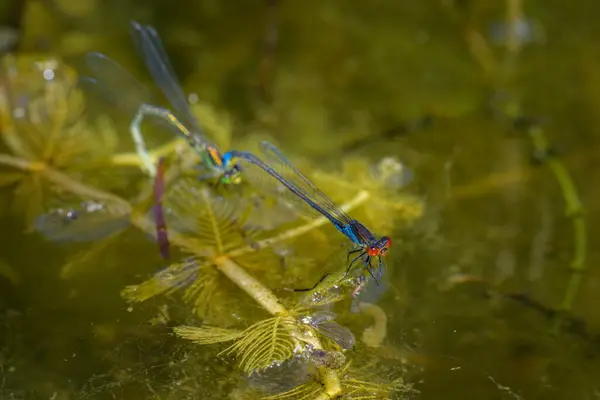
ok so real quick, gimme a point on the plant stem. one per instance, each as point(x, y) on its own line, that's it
point(61, 179)
point(331, 381)
point(574, 210)
point(250, 285)
point(20, 163)
point(270, 302)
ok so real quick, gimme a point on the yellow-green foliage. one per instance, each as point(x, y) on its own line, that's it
point(255, 348)
point(215, 227)
point(43, 126)
point(235, 244)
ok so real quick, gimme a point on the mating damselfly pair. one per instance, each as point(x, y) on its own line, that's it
point(227, 168)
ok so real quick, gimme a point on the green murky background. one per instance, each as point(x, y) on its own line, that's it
point(371, 73)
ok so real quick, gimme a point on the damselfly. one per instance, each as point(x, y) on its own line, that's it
point(114, 81)
point(368, 246)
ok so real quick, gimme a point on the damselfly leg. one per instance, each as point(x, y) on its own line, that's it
point(367, 263)
point(370, 269)
point(144, 111)
point(362, 253)
point(313, 286)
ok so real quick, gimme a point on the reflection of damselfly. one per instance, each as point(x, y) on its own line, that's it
point(279, 167)
point(113, 82)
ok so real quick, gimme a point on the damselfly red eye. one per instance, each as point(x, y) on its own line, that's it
point(373, 251)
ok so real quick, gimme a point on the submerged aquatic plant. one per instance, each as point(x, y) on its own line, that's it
point(231, 240)
point(257, 347)
point(210, 226)
point(222, 235)
point(46, 134)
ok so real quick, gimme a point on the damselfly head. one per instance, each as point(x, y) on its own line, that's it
point(232, 175)
point(233, 170)
point(379, 247)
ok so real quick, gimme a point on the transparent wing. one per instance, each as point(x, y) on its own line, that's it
point(299, 184)
point(284, 167)
point(112, 83)
point(86, 223)
point(267, 180)
point(324, 322)
point(320, 317)
point(339, 334)
point(150, 47)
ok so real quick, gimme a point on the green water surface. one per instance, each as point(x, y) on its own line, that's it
point(472, 282)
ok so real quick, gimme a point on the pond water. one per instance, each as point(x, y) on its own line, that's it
point(491, 291)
